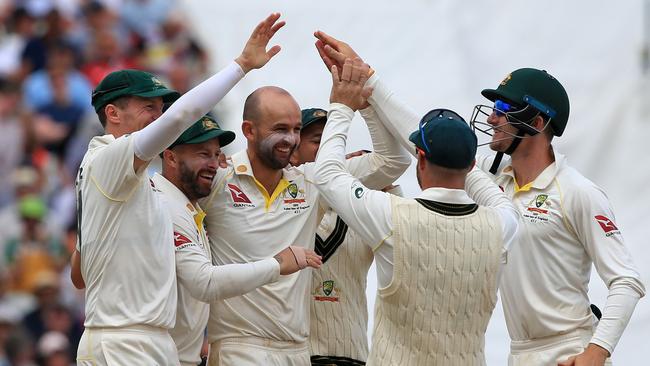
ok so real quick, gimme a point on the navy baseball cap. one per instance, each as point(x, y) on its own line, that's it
point(446, 139)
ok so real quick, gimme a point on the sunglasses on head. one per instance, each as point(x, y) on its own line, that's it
point(436, 114)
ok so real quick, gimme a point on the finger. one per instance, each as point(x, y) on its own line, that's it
point(347, 70)
point(273, 51)
point(277, 27)
point(334, 54)
point(326, 38)
point(365, 71)
point(366, 93)
point(335, 75)
point(356, 70)
point(321, 52)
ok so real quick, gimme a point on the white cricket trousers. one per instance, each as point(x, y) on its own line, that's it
point(255, 351)
point(549, 350)
point(126, 346)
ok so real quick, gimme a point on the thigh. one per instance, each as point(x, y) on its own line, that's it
point(138, 348)
point(242, 354)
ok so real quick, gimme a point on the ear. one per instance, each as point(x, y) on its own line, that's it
point(539, 123)
point(169, 158)
point(247, 130)
point(422, 160)
point(471, 166)
point(112, 114)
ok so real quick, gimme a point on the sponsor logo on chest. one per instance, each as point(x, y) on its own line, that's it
point(239, 198)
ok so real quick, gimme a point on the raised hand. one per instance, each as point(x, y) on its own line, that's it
point(294, 258)
point(255, 55)
point(334, 52)
point(348, 86)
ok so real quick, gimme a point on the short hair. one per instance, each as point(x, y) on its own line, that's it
point(252, 103)
point(120, 102)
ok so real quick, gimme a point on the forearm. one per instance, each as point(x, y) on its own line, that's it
point(75, 270)
point(211, 283)
point(157, 136)
point(386, 163)
point(398, 118)
point(619, 307)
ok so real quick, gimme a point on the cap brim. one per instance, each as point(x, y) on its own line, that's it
point(314, 121)
point(168, 95)
point(415, 138)
point(225, 137)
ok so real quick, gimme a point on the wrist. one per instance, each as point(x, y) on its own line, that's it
point(593, 347)
point(242, 63)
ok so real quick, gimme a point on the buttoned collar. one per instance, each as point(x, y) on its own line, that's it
point(175, 193)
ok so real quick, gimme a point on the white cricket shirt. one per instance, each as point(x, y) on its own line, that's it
point(125, 240)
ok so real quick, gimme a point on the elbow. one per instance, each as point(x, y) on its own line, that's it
point(78, 282)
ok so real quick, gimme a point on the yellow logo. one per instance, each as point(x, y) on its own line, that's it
point(318, 114)
point(209, 124)
point(506, 79)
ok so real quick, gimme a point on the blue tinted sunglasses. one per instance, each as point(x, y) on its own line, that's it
point(501, 107)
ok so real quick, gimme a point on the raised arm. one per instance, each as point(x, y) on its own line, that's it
point(157, 136)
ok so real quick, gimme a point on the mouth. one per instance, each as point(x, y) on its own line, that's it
point(284, 150)
point(206, 177)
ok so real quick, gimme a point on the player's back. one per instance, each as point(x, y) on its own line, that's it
point(125, 240)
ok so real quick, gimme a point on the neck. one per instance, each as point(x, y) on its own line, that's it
point(177, 183)
point(439, 177)
point(112, 130)
point(530, 160)
point(268, 177)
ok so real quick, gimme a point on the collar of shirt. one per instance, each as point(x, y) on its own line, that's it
point(177, 195)
point(543, 180)
point(242, 166)
point(101, 141)
point(446, 195)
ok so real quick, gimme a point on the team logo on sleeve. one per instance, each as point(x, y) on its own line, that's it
point(607, 225)
point(239, 197)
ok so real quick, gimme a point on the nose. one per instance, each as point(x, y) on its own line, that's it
point(493, 119)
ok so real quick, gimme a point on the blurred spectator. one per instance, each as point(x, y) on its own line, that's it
point(105, 56)
point(35, 54)
point(54, 349)
point(13, 124)
point(18, 30)
point(38, 88)
point(59, 118)
point(20, 348)
point(37, 252)
point(145, 16)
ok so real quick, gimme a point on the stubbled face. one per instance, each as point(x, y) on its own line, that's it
point(277, 133)
point(139, 112)
point(309, 144)
point(197, 166)
point(503, 134)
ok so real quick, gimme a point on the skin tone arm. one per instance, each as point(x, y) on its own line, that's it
point(75, 272)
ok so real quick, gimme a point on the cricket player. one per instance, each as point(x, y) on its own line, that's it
point(259, 205)
point(188, 167)
point(439, 255)
point(566, 221)
point(339, 310)
point(125, 252)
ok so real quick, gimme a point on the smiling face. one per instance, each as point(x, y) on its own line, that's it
point(275, 133)
point(195, 166)
point(503, 134)
point(309, 144)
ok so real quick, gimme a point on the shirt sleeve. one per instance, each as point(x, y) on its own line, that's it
point(111, 169)
point(207, 282)
point(399, 119)
point(158, 135)
point(592, 218)
point(388, 160)
point(366, 211)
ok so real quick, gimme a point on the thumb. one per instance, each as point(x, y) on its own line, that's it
point(273, 51)
point(335, 75)
point(569, 362)
point(366, 92)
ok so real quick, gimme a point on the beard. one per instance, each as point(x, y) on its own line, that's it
point(190, 183)
point(265, 150)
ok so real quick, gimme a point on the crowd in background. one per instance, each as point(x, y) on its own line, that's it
point(52, 55)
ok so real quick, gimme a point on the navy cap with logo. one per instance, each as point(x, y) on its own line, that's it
point(313, 115)
point(203, 130)
point(130, 82)
point(446, 139)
